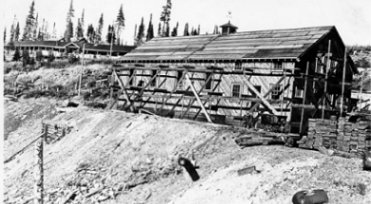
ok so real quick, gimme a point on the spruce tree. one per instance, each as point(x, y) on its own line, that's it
point(12, 30)
point(175, 30)
point(82, 22)
point(35, 33)
point(199, 30)
point(16, 32)
point(159, 31)
point(150, 33)
point(79, 30)
point(165, 18)
point(4, 35)
point(54, 31)
point(216, 30)
point(68, 34)
point(120, 21)
point(111, 36)
point(28, 33)
point(139, 39)
point(186, 30)
point(98, 33)
point(90, 33)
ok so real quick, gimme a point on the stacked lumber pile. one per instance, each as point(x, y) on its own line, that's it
point(340, 135)
point(353, 136)
point(323, 132)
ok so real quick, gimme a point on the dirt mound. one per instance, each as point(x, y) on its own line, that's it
point(118, 157)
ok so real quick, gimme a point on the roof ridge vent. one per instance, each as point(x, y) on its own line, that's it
point(228, 28)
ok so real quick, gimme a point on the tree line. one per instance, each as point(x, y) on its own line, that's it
point(34, 31)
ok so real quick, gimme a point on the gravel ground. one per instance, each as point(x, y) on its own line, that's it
point(118, 157)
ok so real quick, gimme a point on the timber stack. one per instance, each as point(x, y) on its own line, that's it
point(340, 135)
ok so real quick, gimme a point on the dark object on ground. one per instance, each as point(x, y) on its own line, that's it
point(247, 170)
point(190, 168)
point(317, 196)
point(72, 104)
point(367, 161)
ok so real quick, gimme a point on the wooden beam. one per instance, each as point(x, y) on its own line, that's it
point(198, 99)
point(256, 105)
point(158, 86)
point(175, 88)
point(124, 91)
point(328, 64)
point(199, 92)
point(215, 87)
point(342, 85)
point(148, 83)
point(304, 99)
point(264, 101)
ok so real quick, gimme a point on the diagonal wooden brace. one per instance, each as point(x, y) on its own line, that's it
point(261, 97)
point(131, 105)
point(198, 98)
point(256, 105)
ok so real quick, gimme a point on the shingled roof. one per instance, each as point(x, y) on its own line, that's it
point(262, 44)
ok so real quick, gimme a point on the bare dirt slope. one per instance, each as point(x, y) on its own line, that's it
point(118, 157)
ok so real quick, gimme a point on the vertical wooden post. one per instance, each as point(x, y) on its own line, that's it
point(39, 171)
point(326, 78)
point(343, 81)
point(304, 98)
point(80, 79)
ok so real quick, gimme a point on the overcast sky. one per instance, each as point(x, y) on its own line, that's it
point(351, 17)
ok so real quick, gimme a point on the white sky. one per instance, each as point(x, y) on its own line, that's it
point(351, 17)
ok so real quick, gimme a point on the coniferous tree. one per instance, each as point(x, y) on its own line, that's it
point(198, 30)
point(16, 32)
point(216, 30)
point(159, 31)
point(79, 30)
point(175, 30)
point(111, 36)
point(140, 36)
point(82, 22)
point(165, 18)
point(40, 35)
point(4, 35)
point(98, 33)
point(120, 21)
point(12, 31)
point(54, 32)
point(186, 30)
point(68, 34)
point(35, 33)
point(90, 33)
point(29, 29)
point(150, 33)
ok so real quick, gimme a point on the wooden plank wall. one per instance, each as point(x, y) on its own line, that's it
point(224, 87)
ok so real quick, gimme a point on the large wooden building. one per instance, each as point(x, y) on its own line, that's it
point(293, 73)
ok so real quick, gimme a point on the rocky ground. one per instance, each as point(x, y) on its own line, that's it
point(116, 157)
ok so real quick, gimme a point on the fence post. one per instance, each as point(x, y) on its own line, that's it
point(39, 172)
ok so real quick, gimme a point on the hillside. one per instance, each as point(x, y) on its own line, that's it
point(118, 157)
